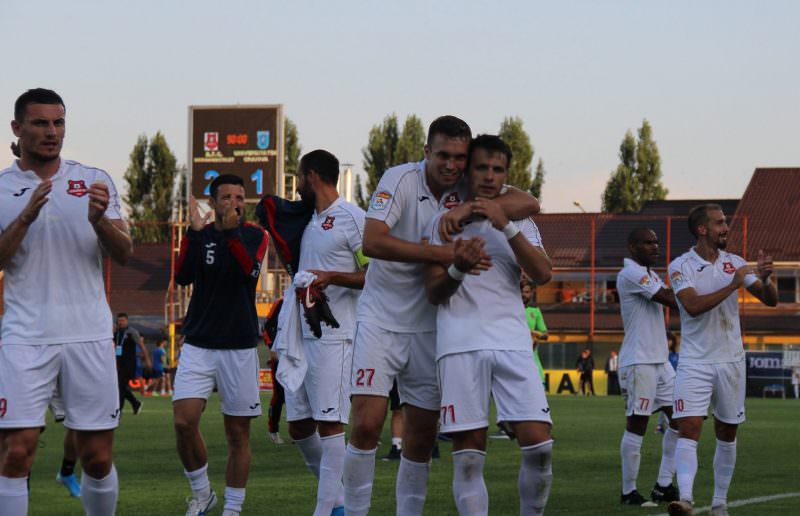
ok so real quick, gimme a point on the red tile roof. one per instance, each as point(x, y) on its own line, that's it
point(771, 204)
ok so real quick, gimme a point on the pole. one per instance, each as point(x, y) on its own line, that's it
point(591, 282)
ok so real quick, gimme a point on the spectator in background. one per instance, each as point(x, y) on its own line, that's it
point(158, 378)
point(585, 367)
point(128, 342)
point(612, 370)
point(536, 325)
point(672, 344)
point(796, 381)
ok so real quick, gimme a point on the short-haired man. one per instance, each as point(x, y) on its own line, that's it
point(56, 219)
point(646, 377)
point(395, 334)
point(706, 281)
point(128, 342)
point(222, 260)
point(483, 343)
point(331, 249)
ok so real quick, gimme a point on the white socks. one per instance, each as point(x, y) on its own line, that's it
point(198, 481)
point(99, 496)
point(724, 463)
point(535, 477)
point(667, 468)
point(630, 449)
point(411, 487)
point(359, 471)
point(686, 466)
point(13, 496)
point(311, 450)
point(331, 466)
point(469, 489)
point(234, 499)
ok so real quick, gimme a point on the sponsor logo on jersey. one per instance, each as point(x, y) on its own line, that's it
point(262, 139)
point(702, 267)
point(211, 142)
point(380, 200)
point(423, 198)
point(728, 268)
point(328, 224)
point(644, 281)
point(21, 192)
point(452, 200)
point(77, 188)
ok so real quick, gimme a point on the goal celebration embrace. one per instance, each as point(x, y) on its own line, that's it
point(438, 315)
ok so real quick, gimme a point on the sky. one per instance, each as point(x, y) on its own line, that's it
point(719, 81)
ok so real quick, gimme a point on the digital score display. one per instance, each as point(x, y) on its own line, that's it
point(246, 141)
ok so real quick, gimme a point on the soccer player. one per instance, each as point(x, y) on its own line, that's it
point(395, 333)
point(66, 475)
point(646, 377)
point(706, 281)
point(331, 249)
point(56, 219)
point(483, 343)
point(222, 260)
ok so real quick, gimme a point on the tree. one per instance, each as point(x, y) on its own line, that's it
point(291, 152)
point(638, 176)
point(151, 179)
point(538, 181)
point(386, 148)
point(512, 132)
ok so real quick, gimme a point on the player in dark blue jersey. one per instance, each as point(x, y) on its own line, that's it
point(222, 261)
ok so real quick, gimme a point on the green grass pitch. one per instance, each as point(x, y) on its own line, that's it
point(585, 465)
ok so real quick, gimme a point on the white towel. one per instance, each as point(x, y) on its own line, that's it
point(292, 365)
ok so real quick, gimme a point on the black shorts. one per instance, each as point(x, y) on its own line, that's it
point(394, 398)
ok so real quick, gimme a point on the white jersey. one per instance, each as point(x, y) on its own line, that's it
point(54, 290)
point(645, 339)
point(486, 312)
point(714, 336)
point(394, 294)
point(332, 242)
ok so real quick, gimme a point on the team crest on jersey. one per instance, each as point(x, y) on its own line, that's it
point(380, 200)
point(328, 224)
point(727, 267)
point(77, 188)
point(676, 278)
point(644, 281)
point(452, 200)
point(211, 142)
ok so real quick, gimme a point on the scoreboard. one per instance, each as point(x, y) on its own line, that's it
point(246, 141)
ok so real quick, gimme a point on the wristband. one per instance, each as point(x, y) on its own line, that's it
point(510, 230)
point(456, 274)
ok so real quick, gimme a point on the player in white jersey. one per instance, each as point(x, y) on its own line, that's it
point(395, 330)
point(483, 343)
point(56, 218)
point(331, 249)
point(646, 377)
point(711, 371)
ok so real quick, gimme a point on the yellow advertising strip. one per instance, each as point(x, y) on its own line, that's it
point(567, 382)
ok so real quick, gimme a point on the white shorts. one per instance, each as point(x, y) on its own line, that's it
point(720, 385)
point(325, 392)
point(646, 387)
point(84, 372)
point(56, 407)
point(380, 356)
point(233, 371)
point(512, 378)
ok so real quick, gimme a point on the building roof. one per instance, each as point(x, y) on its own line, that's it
point(771, 204)
point(681, 207)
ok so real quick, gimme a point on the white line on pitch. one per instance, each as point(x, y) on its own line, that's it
point(748, 501)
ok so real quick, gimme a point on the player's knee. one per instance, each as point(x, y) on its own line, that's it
point(18, 458)
point(185, 427)
point(96, 461)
